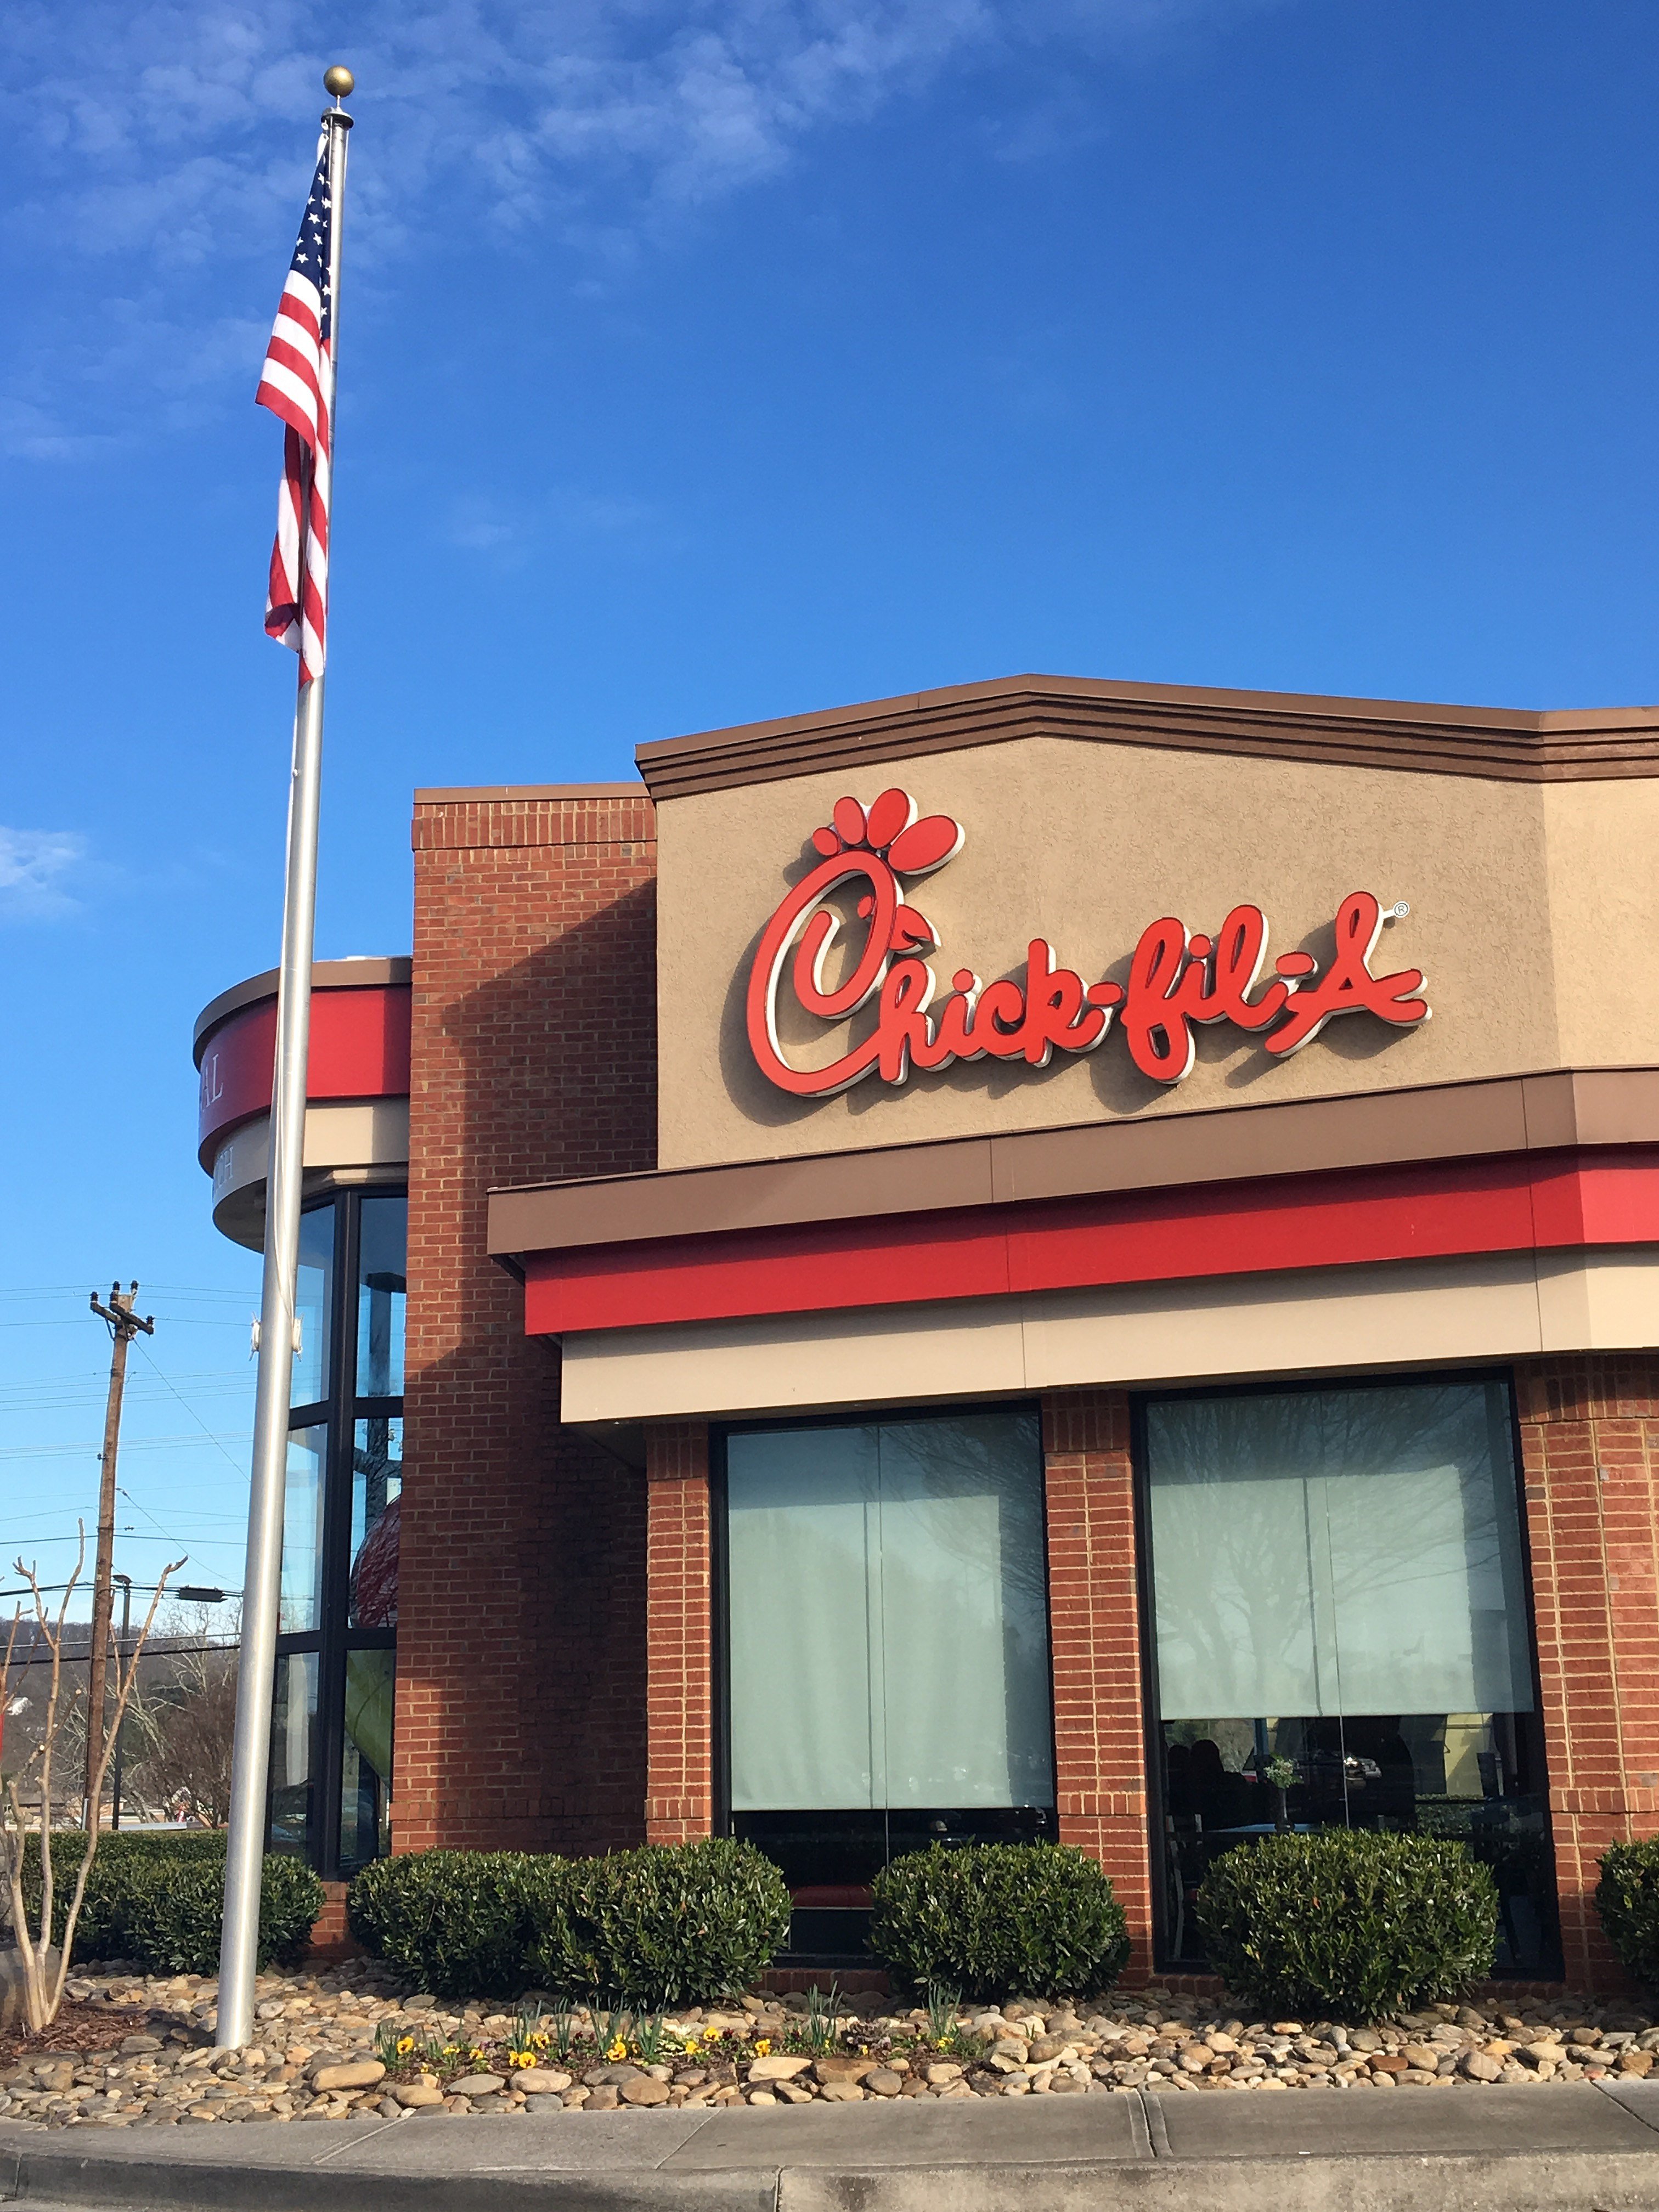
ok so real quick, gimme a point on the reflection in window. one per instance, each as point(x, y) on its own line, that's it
point(377, 1480)
point(293, 1725)
point(311, 1305)
point(383, 1235)
point(898, 1570)
point(1338, 1582)
point(366, 1773)
point(300, 1608)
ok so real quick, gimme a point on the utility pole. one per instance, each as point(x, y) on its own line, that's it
point(125, 1582)
point(123, 1325)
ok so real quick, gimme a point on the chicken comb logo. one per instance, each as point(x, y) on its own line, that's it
point(1175, 980)
point(877, 846)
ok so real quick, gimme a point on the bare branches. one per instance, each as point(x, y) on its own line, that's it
point(43, 1983)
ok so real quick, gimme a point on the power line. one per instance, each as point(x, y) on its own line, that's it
point(194, 1417)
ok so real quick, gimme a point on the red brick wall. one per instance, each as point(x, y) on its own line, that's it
point(521, 1699)
point(680, 1782)
point(1100, 1744)
point(1589, 1435)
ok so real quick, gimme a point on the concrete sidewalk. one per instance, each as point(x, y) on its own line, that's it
point(1494, 2150)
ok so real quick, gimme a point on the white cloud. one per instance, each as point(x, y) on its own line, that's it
point(507, 532)
point(171, 135)
point(35, 866)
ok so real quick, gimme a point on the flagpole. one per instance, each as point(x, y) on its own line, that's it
point(262, 1579)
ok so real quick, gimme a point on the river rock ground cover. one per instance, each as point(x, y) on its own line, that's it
point(347, 2041)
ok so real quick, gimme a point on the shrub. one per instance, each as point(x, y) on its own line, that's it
point(460, 1923)
point(671, 1924)
point(987, 1918)
point(1346, 1924)
point(159, 1900)
point(667, 1926)
point(1627, 1898)
point(174, 1914)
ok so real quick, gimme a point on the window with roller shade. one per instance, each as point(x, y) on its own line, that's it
point(1338, 1580)
point(892, 1574)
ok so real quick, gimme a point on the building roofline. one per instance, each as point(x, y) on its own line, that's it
point(1504, 744)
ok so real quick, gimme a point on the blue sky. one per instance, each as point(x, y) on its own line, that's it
point(708, 361)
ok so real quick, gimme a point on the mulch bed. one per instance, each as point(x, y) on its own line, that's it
point(79, 2027)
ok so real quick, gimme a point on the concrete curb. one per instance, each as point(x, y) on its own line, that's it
point(1570, 2181)
point(1561, 2181)
point(1565, 2150)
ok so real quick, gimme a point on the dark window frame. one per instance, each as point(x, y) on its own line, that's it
point(1045, 1819)
point(1145, 1594)
point(333, 1639)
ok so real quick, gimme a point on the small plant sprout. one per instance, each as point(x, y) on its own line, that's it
point(564, 2033)
point(821, 2013)
point(942, 2005)
point(649, 2040)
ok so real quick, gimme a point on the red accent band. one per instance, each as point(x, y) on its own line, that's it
point(359, 1049)
point(1515, 1204)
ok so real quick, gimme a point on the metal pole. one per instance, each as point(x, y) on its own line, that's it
point(125, 1582)
point(262, 1580)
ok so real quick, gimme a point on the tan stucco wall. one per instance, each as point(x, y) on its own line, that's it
point(1602, 858)
point(1533, 909)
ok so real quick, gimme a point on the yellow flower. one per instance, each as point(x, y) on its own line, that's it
point(763, 2049)
point(520, 2058)
point(405, 2044)
point(618, 2048)
point(691, 2046)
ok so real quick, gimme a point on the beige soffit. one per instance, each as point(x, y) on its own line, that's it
point(1458, 1121)
point(1512, 744)
point(1347, 1320)
point(347, 1140)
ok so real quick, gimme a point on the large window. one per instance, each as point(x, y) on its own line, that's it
point(887, 1646)
point(331, 1752)
point(1338, 1582)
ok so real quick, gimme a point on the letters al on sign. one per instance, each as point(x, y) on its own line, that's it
point(1175, 980)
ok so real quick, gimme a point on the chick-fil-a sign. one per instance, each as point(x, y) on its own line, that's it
point(1175, 980)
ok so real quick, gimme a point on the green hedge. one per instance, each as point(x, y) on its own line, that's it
point(460, 1923)
point(158, 1899)
point(988, 1918)
point(1627, 1898)
point(1348, 1925)
point(671, 1924)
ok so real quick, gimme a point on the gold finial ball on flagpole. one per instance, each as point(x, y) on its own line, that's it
point(338, 83)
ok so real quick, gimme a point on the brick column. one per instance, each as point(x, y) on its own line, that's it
point(1590, 1434)
point(520, 1714)
point(1100, 1744)
point(680, 1789)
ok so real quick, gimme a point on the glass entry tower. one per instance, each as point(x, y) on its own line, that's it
point(330, 1747)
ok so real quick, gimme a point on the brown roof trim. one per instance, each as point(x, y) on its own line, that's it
point(1504, 745)
point(1459, 1120)
point(325, 975)
point(518, 794)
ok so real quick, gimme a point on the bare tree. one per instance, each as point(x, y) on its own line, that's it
point(44, 1979)
point(189, 1723)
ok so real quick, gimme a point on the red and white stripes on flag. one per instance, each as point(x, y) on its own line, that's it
point(297, 383)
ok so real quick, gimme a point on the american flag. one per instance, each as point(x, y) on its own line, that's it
point(296, 383)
